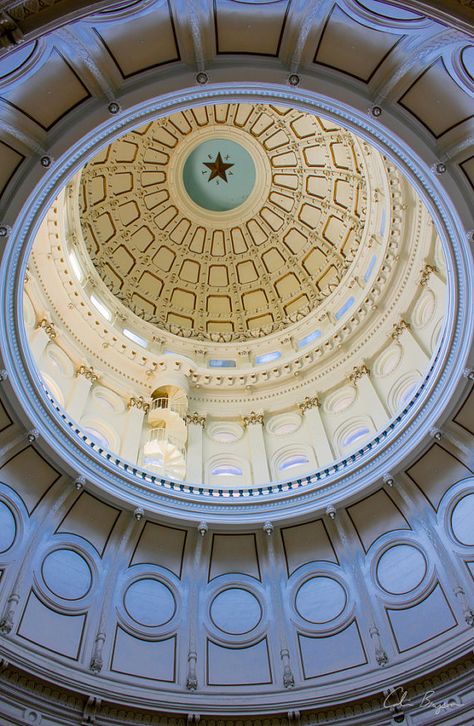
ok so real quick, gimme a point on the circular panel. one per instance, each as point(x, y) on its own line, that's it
point(7, 528)
point(467, 56)
point(401, 569)
point(67, 574)
point(219, 175)
point(149, 602)
point(320, 599)
point(387, 361)
point(236, 611)
point(228, 230)
point(340, 400)
point(284, 424)
point(424, 309)
point(15, 59)
point(462, 520)
point(387, 11)
point(225, 432)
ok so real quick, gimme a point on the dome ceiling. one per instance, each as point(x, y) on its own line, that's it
point(225, 222)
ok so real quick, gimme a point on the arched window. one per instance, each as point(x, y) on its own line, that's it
point(226, 470)
point(354, 436)
point(291, 461)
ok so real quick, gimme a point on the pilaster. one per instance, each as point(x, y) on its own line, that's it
point(194, 448)
point(258, 455)
point(314, 424)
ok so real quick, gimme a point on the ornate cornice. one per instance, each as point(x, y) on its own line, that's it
point(398, 329)
point(48, 327)
point(138, 402)
point(309, 402)
point(253, 418)
point(88, 373)
point(357, 373)
point(196, 418)
point(426, 274)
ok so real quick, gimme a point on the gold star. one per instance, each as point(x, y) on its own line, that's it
point(218, 168)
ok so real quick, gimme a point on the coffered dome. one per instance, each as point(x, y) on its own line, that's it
point(253, 238)
point(233, 251)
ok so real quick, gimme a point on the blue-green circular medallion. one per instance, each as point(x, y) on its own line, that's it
point(219, 175)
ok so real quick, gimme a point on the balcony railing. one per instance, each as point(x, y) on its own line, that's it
point(168, 404)
point(161, 434)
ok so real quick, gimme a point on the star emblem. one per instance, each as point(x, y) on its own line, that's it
point(218, 168)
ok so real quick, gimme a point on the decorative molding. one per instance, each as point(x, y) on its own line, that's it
point(357, 373)
point(91, 711)
point(87, 373)
point(309, 402)
point(191, 678)
point(32, 435)
point(268, 528)
point(79, 483)
point(10, 32)
point(203, 528)
point(380, 655)
point(6, 621)
point(196, 418)
point(138, 402)
point(399, 328)
point(288, 677)
point(48, 327)
point(467, 610)
point(252, 418)
point(96, 663)
point(388, 480)
point(426, 274)
point(331, 512)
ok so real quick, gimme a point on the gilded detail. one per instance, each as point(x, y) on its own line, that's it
point(196, 418)
point(358, 372)
point(49, 328)
point(88, 373)
point(139, 402)
point(253, 418)
point(309, 402)
point(399, 328)
point(426, 274)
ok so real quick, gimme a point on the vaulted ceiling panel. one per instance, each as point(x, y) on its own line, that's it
point(437, 101)
point(240, 29)
point(56, 90)
point(142, 42)
point(353, 48)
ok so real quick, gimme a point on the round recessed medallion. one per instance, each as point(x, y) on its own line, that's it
point(401, 569)
point(7, 528)
point(149, 602)
point(462, 518)
point(236, 611)
point(320, 599)
point(219, 175)
point(67, 574)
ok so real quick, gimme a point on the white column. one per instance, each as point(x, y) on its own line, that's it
point(133, 429)
point(40, 338)
point(360, 378)
point(315, 428)
point(258, 454)
point(77, 401)
point(411, 347)
point(194, 448)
